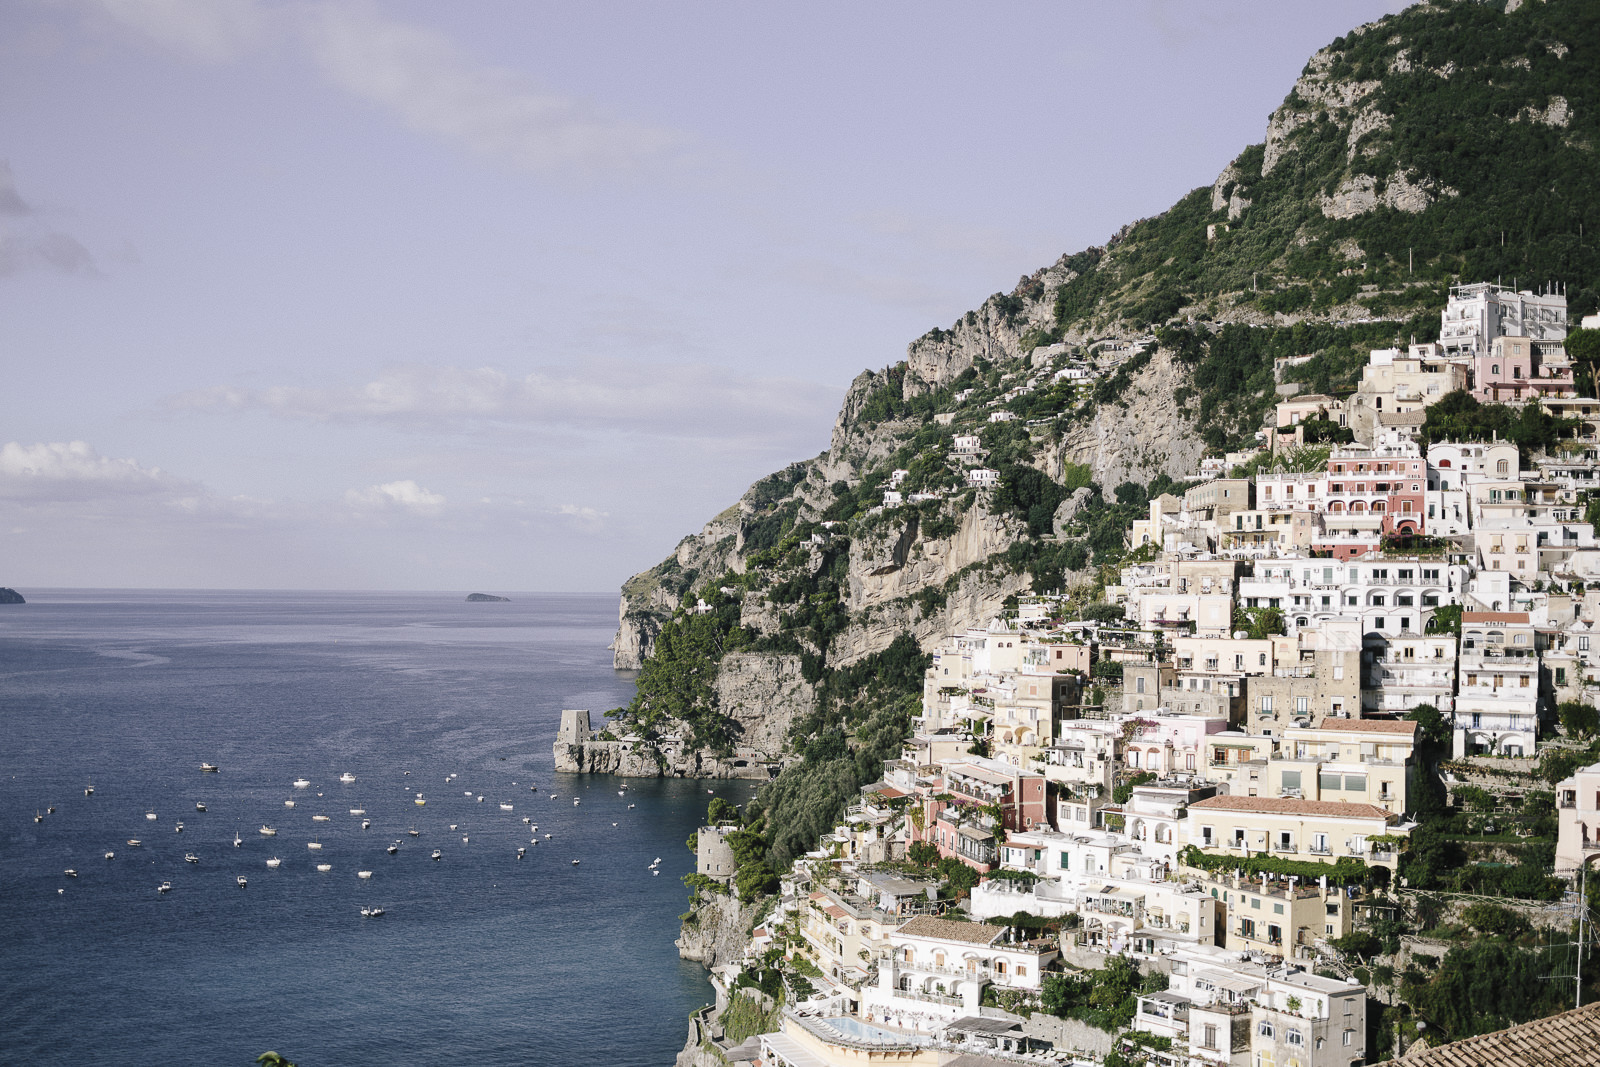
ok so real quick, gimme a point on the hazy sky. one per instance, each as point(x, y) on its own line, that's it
point(513, 295)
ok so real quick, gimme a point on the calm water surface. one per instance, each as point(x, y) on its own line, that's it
point(481, 958)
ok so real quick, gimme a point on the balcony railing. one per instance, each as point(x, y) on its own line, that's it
point(1320, 850)
point(1284, 846)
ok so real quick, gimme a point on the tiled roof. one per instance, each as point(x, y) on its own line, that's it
point(1571, 1038)
point(950, 930)
point(1468, 617)
point(1376, 726)
point(1290, 806)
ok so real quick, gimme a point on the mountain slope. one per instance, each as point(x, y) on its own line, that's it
point(1453, 142)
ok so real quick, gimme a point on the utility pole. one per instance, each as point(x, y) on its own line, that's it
point(1409, 264)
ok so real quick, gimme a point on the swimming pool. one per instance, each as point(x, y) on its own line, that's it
point(853, 1027)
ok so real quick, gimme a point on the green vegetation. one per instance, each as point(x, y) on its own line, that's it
point(1347, 870)
point(1459, 417)
point(745, 1017)
point(1106, 998)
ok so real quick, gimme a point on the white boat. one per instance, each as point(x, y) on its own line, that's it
point(164, 887)
point(347, 778)
point(630, 807)
point(574, 863)
point(178, 829)
point(656, 873)
point(522, 851)
point(366, 824)
point(392, 849)
point(413, 831)
point(241, 881)
point(480, 798)
point(371, 913)
point(273, 863)
point(576, 802)
point(40, 818)
point(190, 857)
point(148, 815)
point(111, 855)
point(452, 826)
point(88, 790)
point(468, 793)
point(363, 875)
point(302, 783)
point(324, 867)
point(133, 842)
point(319, 818)
point(70, 872)
point(199, 806)
point(505, 807)
point(267, 831)
point(288, 803)
point(554, 795)
point(419, 801)
point(463, 839)
point(237, 840)
point(314, 845)
point(438, 855)
point(208, 768)
point(358, 811)
point(622, 792)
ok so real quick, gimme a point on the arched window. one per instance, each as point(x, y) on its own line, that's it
point(1502, 467)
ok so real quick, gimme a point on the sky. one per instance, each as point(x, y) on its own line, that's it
point(508, 295)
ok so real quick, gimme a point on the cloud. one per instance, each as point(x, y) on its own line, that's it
point(590, 516)
point(211, 30)
point(611, 396)
point(435, 88)
point(403, 496)
point(74, 471)
point(27, 242)
point(421, 77)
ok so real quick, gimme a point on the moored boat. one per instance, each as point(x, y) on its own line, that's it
point(267, 831)
point(208, 768)
point(273, 862)
point(347, 778)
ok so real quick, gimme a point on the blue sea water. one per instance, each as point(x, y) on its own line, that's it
point(481, 958)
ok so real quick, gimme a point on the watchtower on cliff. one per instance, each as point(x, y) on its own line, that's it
point(575, 729)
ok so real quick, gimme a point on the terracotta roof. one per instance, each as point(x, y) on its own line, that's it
point(1290, 806)
point(950, 930)
point(1375, 726)
point(1573, 1037)
point(889, 792)
point(1494, 616)
point(836, 911)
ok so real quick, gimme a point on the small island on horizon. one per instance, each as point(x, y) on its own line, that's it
point(481, 598)
point(10, 596)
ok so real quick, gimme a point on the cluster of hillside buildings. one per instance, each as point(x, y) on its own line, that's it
point(1211, 804)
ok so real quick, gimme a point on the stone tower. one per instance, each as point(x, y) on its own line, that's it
point(575, 728)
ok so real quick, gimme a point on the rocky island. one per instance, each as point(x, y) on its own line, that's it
point(487, 598)
point(10, 596)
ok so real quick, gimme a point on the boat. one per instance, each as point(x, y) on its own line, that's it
point(190, 857)
point(413, 831)
point(576, 802)
point(392, 849)
point(133, 842)
point(363, 875)
point(575, 863)
point(656, 873)
point(71, 872)
point(178, 828)
point(241, 881)
point(358, 811)
point(347, 778)
point(366, 824)
point(208, 768)
point(319, 818)
point(554, 795)
point(302, 783)
point(522, 851)
point(630, 807)
point(622, 792)
point(419, 801)
point(480, 798)
point(438, 855)
point(199, 806)
point(164, 887)
point(150, 815)
point(288, 803)
point(463, 839)
point(314, 845)
point(526, 819)
point(267, 831)
point(40, 818)
point(371, 913)
point(51, 810)
point(452, 826)
point(88, 790)
point(111, 855)
point(237, 840)
point(505, 807)
point(273, 863)
point(324, 867)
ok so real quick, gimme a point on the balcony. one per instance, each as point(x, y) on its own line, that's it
point(1320, 850)
point(1284, 846)
point(929, 998)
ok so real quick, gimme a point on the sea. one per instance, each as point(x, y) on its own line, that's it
point(563, 957)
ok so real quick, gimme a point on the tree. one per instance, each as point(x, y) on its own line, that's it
point(1583, 348)
point(720, 811)
point(1578, 719)
point(1260, 623)
point(922, 854)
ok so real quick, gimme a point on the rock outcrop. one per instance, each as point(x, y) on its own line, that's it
point(716, 930)
point(487, 598)
point(10, 596)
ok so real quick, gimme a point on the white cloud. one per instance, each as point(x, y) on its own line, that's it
point(584, 514)
point(74, 471)
point(670, 400)
point(420, 76)
point(212, 30)
point(435, 88)
point(404, 495)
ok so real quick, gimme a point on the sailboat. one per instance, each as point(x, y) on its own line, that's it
point(237, 840)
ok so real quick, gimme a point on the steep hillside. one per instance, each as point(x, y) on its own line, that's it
point(1453, 142)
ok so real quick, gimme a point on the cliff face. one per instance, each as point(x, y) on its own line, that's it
point(716, 930)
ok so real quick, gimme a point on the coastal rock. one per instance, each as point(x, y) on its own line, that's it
point(716, 930)
point(1069, 508)
point(10, 596)
point(487, 598)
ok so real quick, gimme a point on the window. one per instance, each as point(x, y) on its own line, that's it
point(1208, 1038)
point(1265, 1028)
point(1349, 1037)
point(1294, 1037)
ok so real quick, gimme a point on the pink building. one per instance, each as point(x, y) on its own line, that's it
point(1521, 368)
point(1390, 482)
